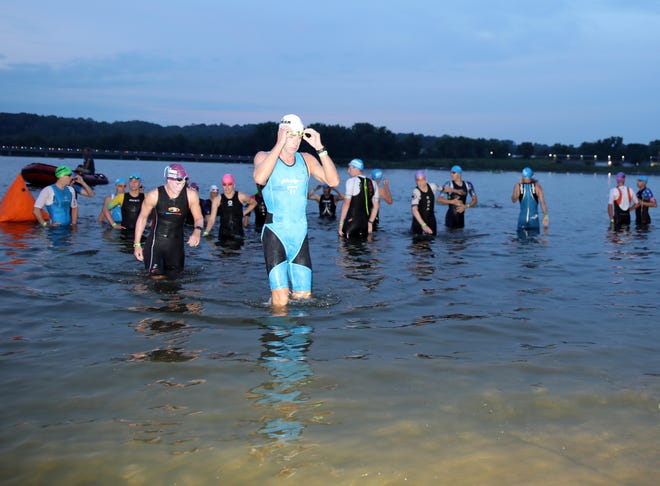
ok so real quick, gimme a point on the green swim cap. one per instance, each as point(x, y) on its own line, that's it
point(62, 171)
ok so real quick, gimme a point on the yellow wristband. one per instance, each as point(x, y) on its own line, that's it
point(137, 245)
point(44, 224)
point(113, 224)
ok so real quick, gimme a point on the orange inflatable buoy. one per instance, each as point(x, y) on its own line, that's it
point(17, 203)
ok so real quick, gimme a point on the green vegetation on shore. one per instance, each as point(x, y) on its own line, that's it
point(378, 146)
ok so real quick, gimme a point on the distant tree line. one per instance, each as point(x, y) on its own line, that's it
point(361, 140)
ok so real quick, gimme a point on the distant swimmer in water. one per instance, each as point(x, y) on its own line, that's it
point(170, 203)
point(284, 174)
point(530, 194)
point(327, 201)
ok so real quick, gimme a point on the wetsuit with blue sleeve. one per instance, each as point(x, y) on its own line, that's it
point(284, 236)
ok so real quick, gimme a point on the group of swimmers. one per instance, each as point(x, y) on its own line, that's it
point(282, 176)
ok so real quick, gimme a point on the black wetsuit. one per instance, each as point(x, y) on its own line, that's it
point(260, 211)
point(426, 208)
point(642, 216)
point(164, 250)
point(231, 218)
point(356, 224)
point(130, 210)
point(327, 207)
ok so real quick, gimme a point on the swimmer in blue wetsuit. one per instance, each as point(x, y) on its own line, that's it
point(284, 172)
point(530, 194)
point(59, 200)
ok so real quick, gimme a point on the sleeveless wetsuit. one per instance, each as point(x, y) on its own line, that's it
point(621, 198)
point(60, 210)
point(163, 250)
point(327, 207)
point(130, 210)
point(356, 224)
point(231, 218)
point(642, 212)
point(528, 218)
point(454, 219)
point(426, 207)
point(284, 235)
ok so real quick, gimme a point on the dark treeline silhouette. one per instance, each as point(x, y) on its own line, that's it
point(362, 139)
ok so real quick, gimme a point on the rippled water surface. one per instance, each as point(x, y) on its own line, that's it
point(480, 357)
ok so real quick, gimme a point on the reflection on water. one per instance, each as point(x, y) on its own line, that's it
point(284, 357)
point(422, 253)
point(360, 262)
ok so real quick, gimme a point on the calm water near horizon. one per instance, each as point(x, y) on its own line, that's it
point(479, 357)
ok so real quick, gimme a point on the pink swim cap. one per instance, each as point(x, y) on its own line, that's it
point(227, 179)
point(175, 171)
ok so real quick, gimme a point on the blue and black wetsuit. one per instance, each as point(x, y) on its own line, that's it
point(60, 210)
point(284, 235)
point(164, 250)
point(528, 219)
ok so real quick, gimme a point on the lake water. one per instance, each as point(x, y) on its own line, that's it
point(479, 357)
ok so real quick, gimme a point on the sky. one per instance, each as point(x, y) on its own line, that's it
point(523, 70)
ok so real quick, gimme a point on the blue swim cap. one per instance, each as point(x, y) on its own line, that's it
point(457, 169)
point(357, 163)
point(119, 181)
point(527, 173)
point(644, 179)
point(135, 176)
point(376, 174)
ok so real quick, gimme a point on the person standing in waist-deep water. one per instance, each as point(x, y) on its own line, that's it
point(457, 191)
point(284, 174)
point(529, 193)
point(360, 206)
point(170, 203)
point(646, 200)
point(423, 206)
point(130, 204)
point(59, 200)
point(232, 206)
point(113, 215)
point(621, 201)
point(327, 201)
point(384, 193)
